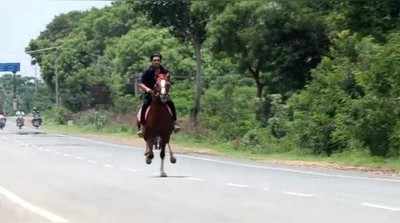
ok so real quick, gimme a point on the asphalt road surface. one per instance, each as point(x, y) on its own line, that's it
point(58, 178)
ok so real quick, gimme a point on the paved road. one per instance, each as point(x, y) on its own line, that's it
point(58, 178)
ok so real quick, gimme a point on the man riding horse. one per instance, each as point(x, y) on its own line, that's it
point(146, 84)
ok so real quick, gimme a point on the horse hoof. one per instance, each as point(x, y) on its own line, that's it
point(148, 161)
point(163, 175)
point(149, 155)
point(172, 159)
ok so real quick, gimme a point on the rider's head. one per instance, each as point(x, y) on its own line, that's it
point(155, 59)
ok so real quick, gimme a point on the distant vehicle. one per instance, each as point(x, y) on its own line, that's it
point(20, 119)
point(3, 121)
point(36, 120)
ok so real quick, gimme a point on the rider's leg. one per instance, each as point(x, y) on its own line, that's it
point(146, 104)
point(172, 106)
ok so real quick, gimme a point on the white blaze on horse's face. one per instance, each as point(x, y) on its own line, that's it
point(163, 92)
point(163, 88)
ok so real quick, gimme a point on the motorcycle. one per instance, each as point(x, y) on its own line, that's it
point(20, 122)
point(2, 123)
point(36, 121)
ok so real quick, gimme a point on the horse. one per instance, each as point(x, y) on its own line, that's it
point(159, 123)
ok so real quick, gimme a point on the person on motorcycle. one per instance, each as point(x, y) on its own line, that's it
point(146, 84)
point(35, 112)
point(2, 120)
point(36, 120)
point(20, 118)
point(20, 114)
point(2, 116)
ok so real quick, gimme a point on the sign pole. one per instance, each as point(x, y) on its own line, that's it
point(15, 101)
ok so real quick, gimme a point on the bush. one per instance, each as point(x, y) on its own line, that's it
point(59, 115)
point(228, 112)
point(95, 119)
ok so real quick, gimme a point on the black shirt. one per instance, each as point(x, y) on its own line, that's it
point(149, 76)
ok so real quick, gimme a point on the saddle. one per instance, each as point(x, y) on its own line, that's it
point(147, 113)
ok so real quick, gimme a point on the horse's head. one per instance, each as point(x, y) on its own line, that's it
point(162, 87)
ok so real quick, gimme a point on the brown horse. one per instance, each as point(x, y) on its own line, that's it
point(159, 124)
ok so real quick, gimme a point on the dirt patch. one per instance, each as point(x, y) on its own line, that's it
point(326, 165)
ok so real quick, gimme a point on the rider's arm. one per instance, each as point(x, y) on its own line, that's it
point(144, 88)
point(141, 84)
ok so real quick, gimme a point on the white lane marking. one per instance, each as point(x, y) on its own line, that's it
point(37, 210)
point(67, 155)
point(108, 166)
point(58, 153)
point(129, 170)
point(195, 179)
point(380, 206)
point(291, 170)
point(266, 189)
point(79, 158)
point(237, 185)
point(92, 162)
point(298, 194)
point(246, 165)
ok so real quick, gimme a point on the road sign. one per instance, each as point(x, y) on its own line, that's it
point(10, 67)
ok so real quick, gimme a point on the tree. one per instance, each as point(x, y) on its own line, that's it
point(26, 93)
point(372, 17)
point(275, 42)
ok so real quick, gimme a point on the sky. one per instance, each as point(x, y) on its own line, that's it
point(23, 20)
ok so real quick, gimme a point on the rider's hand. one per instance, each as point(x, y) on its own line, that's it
point(149, 91)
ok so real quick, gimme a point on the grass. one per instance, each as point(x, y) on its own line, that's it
point(353, 160)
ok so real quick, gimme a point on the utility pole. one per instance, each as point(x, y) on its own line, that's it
point(57, 96)
point(14, 97)
point(34, 63)
point(57, 87)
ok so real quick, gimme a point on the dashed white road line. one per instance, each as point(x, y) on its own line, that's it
point(266, 189)
point(37, 210)
point(129, 170)
point(79, 158)
point(92, 162)
point(237, 185)
point(298, 194)
point(108, 166)
point(195, 179)
point(67, 155)
point(304, 172)
point(380, 206)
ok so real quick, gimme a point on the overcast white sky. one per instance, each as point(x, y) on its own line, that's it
point(23, 20)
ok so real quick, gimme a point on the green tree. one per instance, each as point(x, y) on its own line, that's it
point(275, 42)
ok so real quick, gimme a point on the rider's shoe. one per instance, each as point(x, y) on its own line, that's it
point(177, 128)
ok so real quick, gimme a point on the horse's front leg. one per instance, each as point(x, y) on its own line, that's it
point(171, 154)
point(149, 152)
point(162, 156)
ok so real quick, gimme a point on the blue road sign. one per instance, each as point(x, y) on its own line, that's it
point(10, 67)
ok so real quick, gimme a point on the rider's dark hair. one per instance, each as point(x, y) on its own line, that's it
point(155, 55)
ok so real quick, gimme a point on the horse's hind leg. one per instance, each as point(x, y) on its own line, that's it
point(162, 155)
point(171, 154)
